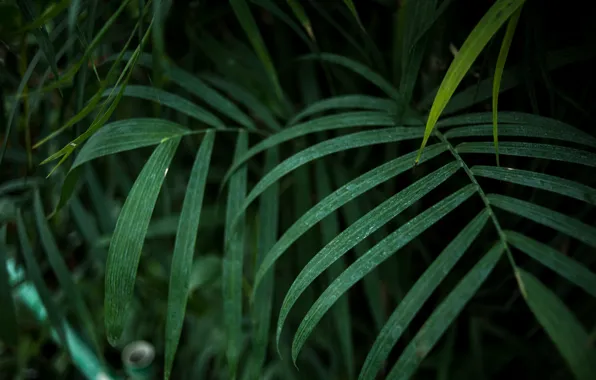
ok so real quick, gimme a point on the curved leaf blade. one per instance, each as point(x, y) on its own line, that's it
point(233, 260)
point(418, 294)
point(366, 102)
point(534, 150)
point(339, 198)
point(170, 100)
point(486, 28)
point(563, 328)
point(538, 181)
point(354, 140)
point(127, 242)
point(325, 123)
point(373, 258)
point(184, 248)
point(444, 315)
point(542, 215)
point(573, 271)
point(8, 319)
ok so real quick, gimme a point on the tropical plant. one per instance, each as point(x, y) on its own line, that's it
point(337, 183)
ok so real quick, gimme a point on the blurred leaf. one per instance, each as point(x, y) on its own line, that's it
point(560, 324)
point(555, 260)
point(418, 295)
point(373, 258)
point(173, 101)
point(354, 12)
point(20, 184)
point(50, 13)
point(184, 249)
point(444, 315)
point(65, 278)
point(505, 45)
point(478, 38)
point(302, 17)
point(242, 11)
point(233, 260)
point(542, 215)
point(127, 242)
point(36, 277)
point(8, 319)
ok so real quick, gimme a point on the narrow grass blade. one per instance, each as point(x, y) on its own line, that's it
point(184, 249)
point(354, 12)
point(554, 132)
point(338, 198)
point(563, 328)
point(127, 242)
point(361, 70)
point(302, 17)
point(486, 28)
point(542, 215)
point(262, 305)
point(564, 265)
point(539, 181)
point(366, 102)
point(534, 150)
point(245, 98)
point(47, 15)
point(233, 260)
point(341, 312)
point(20, 184)
point(407, 309)
point(344, 120)
point(8, 319)
point(505, 45)
point(61, 270)
point(168, 99)
point(41, 35)
point(325, 148)
point(444, 315)
point(371, 260)
point(242, 11)
point(34, 272)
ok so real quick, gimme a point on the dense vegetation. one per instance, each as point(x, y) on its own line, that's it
point(296, 189)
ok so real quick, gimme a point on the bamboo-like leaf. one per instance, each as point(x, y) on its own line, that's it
point(341, 312)
point(553, 132)
point(244, 16)
point(563, 328)
point(338, 144)
point(444, 315)
point(542, 215)
point(184, 249)
point(337, 199)
point(302, 17)
point(261, 307)
point(546, 151)
point(344, 120)
point(505, 45)
point(233, 260)
point(539, 181)
point(372, 259)
point(366, 102)
point(418, 294)
point(486, 28)
point(35, 275)
point(564, 265)
point(127, 242)
point(168, 99)
point(354, 12)
point(8, 319)
point(245, 98)
point(361, 70)
point(41, 35)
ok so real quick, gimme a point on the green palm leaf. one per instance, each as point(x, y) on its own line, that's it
point(127, 242)
point(184, 249)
